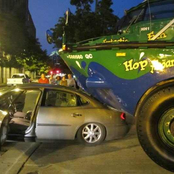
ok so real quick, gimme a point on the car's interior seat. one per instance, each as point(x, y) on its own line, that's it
point(20, 122)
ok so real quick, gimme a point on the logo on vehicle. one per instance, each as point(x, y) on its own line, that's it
point(120, 54)
point(75, 56)
point(88, 56)
point(154, 65)
point(152, 34)
point(123, 39)
point(145, 28)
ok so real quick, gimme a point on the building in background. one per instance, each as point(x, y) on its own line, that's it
point(16, 6)
point(20, 9)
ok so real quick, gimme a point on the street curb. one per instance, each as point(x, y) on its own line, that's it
point(14, 159)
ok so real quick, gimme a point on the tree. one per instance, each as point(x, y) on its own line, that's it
point(91, 24)
point(17, 48)
point(107, 19)
point(82, 5)
point(34, 58)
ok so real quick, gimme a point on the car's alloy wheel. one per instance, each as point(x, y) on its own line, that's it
point(91, 134)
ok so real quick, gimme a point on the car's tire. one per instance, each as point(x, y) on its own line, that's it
point(3, 132)
point(91, 134)
point(155, 127)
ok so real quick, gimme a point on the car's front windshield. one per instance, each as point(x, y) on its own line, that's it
point(7, 98)
point(130, 18)
point(147, 12)
point(18, 76)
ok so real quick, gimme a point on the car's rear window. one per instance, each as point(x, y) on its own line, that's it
point(18, 76)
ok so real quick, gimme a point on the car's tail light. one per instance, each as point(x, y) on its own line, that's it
point(123, 116)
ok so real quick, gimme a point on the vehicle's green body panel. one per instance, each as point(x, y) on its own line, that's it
point(120, 63)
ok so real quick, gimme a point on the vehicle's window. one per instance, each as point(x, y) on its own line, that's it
point(60, 99)
point(18, 76)
point(131, 18)
point(7, 98)
point(160, 10)
point(26, 101)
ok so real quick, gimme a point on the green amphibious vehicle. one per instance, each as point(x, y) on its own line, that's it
point(133, 71)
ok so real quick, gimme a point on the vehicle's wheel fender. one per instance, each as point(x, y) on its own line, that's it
point(154, 89)
point(85, 124)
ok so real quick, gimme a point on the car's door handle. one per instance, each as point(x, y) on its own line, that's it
point(76, 115)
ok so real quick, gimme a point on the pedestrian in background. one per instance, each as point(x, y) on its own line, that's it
point(52, 80)
point(43, 79)
point(70, 81)
point(63, 82)
point(58, 79)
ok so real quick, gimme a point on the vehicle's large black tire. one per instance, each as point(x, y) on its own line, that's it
point(155, 127)
point(3, 132)
point(98, 131)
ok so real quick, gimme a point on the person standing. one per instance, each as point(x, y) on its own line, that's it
point(63, 82)
point(58, 80)
point(70, 81)
point(52, 80)
point(43, 79)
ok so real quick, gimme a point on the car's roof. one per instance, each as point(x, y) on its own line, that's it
point(49, 86)
point(19, 74)
point(41, 85)
point(58, 87)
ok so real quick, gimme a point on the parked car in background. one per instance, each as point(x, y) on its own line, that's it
point(39, 112)
point(18, 78)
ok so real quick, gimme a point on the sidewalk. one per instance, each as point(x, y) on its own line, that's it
point(12, 161)
point(2, 84)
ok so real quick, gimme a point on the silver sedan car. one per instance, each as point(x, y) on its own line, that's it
point(44, 112)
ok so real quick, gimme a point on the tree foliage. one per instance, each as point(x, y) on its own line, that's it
point(85, 23)
point(34, 58)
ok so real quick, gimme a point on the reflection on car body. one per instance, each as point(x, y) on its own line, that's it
point(45, 112)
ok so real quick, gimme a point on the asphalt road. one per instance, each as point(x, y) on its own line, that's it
point(122, 156)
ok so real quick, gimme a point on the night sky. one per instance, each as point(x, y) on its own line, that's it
point(45, 14)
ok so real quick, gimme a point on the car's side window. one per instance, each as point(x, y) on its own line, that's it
point(83, 101)
point(57, 98)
